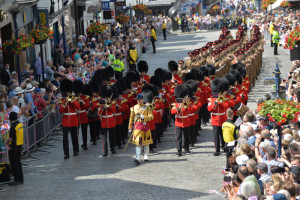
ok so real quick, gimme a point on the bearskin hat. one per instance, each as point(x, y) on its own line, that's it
point(78, 86)
point(160, 73)
point(147, 96)
point(106, 91)
point(128, 82)
point(243, 72)
point(130, 75)
point(235, 66)
point(66, 85)
point(192, 83)
point(216, 85)
point(155, 90)
point(97, 78)
point(211, 69)
point(155, 80)
point(199, 76)
point(110, 71)
point(172, 66)
point(237, 76)
point(226, 84)
point(115, 92)
point(136, 76)
point(168, 75)
point(190, 90)
point(142, 66)
point(119, 87)
point(181, 91)
point(188, 76)
point(147, 86)
point(203, 70)
point(87, 90)
point(231, 78)
point(94, 87)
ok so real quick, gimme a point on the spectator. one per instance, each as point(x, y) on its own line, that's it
point(262, 171)
point(80, 42)
point(249, 186)
point(27, 73)
point(48, 70)
point(57, 78)
point(38, 67)
point(5, 74)
point(15, 142)
point(39, 102)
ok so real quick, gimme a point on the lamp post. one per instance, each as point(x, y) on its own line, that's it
point(16, 35)
point(277, 79)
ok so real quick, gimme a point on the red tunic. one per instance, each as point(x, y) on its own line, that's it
point(159, 111)
point(144, 79)
point(108, 116)
point(182, 116)
point(218, 112)
point(94, 105)
point(70, 118)
point(177, 79)
point(121, 108)
point(82, 112)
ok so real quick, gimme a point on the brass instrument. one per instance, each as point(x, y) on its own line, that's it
point(69, 99)
point(221, 99)
point(109, 103)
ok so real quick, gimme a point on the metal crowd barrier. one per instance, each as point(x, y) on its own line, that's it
point(37, 131)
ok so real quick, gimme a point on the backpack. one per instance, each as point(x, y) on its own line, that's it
point(5, 172)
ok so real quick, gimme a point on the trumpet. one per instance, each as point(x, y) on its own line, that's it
point(221, 98)
point(150, 106)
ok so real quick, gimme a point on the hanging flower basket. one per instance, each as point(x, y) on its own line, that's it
point(284, 4)
point(96, 28)
point(16, 46)
point(280, 111)
point(40, 34)
point(216, 8)
point(140, 7)
point(122, 19)
point(293, 39)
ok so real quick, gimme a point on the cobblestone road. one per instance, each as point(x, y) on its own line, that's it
point(166, 176)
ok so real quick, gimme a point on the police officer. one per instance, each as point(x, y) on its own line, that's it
point(275, 40)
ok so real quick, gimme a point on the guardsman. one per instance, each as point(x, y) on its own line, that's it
point(140, 115)
point(173, 68)
point(68, 107)
point(107, 112)
point(82, 112)
point(217, 106)
point(143, 69)
point(182, 122)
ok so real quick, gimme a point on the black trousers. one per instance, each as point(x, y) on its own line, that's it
point(192, 134)
point(119, 134)
point(165, 33)
point(132, 67)
point(125, 129)
point(272, 41)
point(112, 139)
point(118, 75)
point(84, 133)
point(15, 163)
point(153, 44)
point(74, 136)
point(153, 133)
point(218, 137)
point(93, 130)
point(159, 130)
point(275, 48)
point(179, 132)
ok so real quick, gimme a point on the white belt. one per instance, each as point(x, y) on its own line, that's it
point(192, 114)
point(218, 113)
point(160, 111)
point(70, 114)
point(181, 117)
point(107, 116)
point(81, 111)
point(117, 114)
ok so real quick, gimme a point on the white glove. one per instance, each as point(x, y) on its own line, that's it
point(142, 116)
point(129, 130)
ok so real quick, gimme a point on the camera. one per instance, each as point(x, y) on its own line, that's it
point(227, 179)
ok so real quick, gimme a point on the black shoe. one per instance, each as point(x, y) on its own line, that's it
point(94, 143)
point(76, 153)
point(187, 151)
point(158, 141)
point(66, 157)
point(216, 154)
point(82, 146)
point(137, 162)
point(85, 148)
point(104, 154)
point(154, 146)
point(14, 183)
point(146, 160)
point(113, 151)
point(179, 153)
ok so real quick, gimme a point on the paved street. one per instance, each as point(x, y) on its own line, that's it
point(166, 176)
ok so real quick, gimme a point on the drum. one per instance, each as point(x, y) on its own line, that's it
point(242, 110)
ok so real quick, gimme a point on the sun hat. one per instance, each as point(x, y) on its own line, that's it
point(29, 88)
point(18, 90)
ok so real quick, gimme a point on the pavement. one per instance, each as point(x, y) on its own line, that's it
point(89, 176)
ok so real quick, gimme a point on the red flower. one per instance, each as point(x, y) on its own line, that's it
point(269, 115)
point(278, 124)
point(271, 119)
point(283, 121)
point(284, 115)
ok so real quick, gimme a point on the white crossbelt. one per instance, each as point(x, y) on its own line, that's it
point(81, 111)
point(70, 114)
point(108, 116)
point(192, 114)
point(117, 114)
point(218, 114)
point(181, 117)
